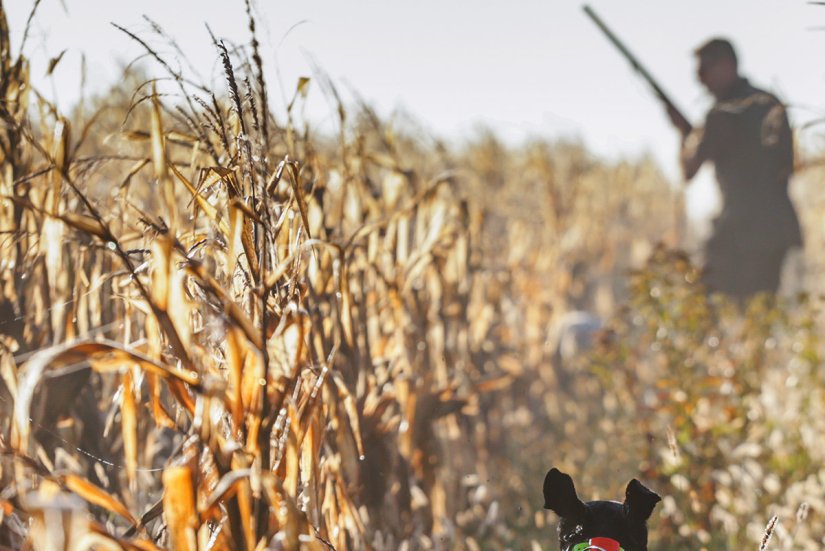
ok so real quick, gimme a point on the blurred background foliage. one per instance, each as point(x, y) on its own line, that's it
point(221, 330)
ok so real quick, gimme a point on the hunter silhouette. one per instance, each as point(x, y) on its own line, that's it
point(748, 139)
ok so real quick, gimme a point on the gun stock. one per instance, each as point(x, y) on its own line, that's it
point(679, 118)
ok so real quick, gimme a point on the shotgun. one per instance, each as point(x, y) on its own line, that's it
point(676, 114)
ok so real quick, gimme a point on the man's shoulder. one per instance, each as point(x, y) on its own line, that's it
point(760, 96)
point(748, 96)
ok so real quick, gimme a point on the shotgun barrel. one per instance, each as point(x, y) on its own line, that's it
point(683, 122)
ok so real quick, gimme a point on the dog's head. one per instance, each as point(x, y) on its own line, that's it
point(625, 523)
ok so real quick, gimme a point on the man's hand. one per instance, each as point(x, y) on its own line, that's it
point(690, 157)
point(679, 121)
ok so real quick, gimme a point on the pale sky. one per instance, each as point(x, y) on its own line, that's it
point(525, 68)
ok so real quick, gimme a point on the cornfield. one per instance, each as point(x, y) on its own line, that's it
point(223, 331)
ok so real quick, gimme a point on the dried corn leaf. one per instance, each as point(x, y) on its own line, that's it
point(346, 306)
point(54, 61)
point(204, 205)
point(310, 446)
point(134, 170)
point(224, 490)
point(299, 196)
point(233, 311)
point(81, 222)
point(253, 386)
point(245, 500)
point(161, 165)
point(162, 256)
point(86, 224)
point(119, 543)
point(158, 145)
point(292, 476)
point(179, 508)
point(248, 242)
point(102, 356)
point(235, 359)
point(97, 496)
point(302, 89)
point(352, 413)
point(129, 424)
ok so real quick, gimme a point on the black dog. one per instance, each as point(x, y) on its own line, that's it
point(609, 524)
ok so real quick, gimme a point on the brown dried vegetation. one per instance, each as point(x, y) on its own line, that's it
point(225, 332)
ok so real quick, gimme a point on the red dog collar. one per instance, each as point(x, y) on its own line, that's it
point(598, 544)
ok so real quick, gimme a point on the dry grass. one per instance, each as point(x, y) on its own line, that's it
point(223, 332)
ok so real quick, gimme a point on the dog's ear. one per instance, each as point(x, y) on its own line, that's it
point(560, 495)
point(639, 501)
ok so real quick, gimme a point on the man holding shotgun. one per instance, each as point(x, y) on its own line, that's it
point(748, 139)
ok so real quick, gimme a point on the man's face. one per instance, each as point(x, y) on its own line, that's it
point(717, 75)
